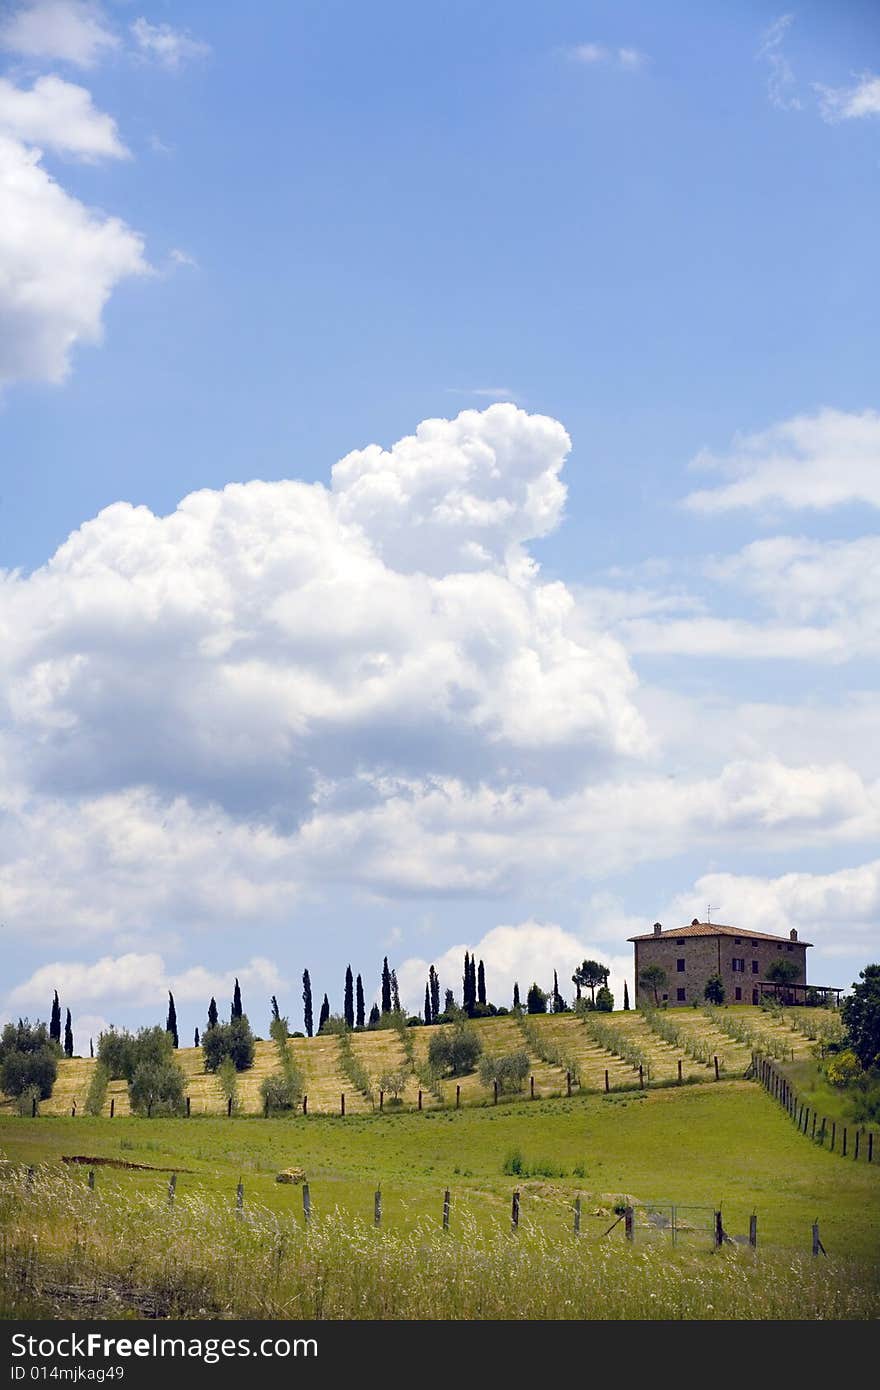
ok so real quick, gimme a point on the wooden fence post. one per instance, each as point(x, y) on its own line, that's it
point(33, 1107)
point(813, 1133)
point(531, 1087)
point(871, 1146)
point(307, 1203)
point(239, 1198)
point(188, 1104)
point(641, 1078)
point(377, 1207)
point(495, 1092)
point(856, 1153)
point(833, 1134)
point(628, 1224)
point(719, 1229)
point(446, 1210)
point(172, 1188)
point(229, 1107)
point(514, 1212)
point(342, 1103)
point(113, 1106)
point(91, 1179)
point(817, 1243)
point(457, 1097)
point(420, 1099)
point(568, 1083)
point(381, 1100)
point(305, 1105)
point(577, 1216)
point(717, 1075)
point(753, 1230)
point(73, 1111)
point(844, 1141)
point(679, 1071)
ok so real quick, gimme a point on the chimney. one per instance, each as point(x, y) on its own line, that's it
point(695, 922)
point(793, 934)
point(657, 928)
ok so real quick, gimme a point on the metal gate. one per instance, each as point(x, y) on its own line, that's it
point(674, 1222)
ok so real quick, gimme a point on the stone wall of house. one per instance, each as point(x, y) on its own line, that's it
point(713, 955)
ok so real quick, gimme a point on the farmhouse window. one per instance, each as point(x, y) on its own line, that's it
point(679, 941)
point(738, 965)
point(737, 941)
point(789, 947)
point(754, 943)
point(739, 993)
point(754, 967)
point(680, 995)
point(679, 965)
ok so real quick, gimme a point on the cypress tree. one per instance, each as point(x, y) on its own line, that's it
point(434, 982)
point(91, 1047)
point(466, 984)
point(427, 1004)
point(307, 1005)
point(625, 997)
point(481, 984)
point(324, 1014)
point(449, 1002)
point(196, 1038)
point(375, 1016)
point(386, 987)
point(171, 1020)
point(359, 997)
point(212, 1013)
point(395, 993)
point(348, 1002)
point(236, 1001)
point(55, 1021)
point(276, 1012)
point(516, 1003)
point(68, 1036)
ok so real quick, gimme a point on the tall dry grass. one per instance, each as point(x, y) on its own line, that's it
point(69, 1251)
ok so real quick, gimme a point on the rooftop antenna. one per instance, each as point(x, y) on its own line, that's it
point(708, 918)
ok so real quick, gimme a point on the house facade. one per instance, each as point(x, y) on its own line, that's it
point(689, 955)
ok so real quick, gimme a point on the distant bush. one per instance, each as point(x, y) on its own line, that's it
point(233, 1040)
point(279, 1093)
point(844, 1068)
point(157, 1088)
point(604, 1000)
point(536, 1000)
point(713, 992)
point(456, 1051)
point(509, 1070)
point(28, 1060)
point(517, 1166)
point(393, 1083)
point(97, 1089)
point(122, 1053)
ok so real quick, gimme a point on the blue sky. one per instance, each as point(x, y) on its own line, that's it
point(238, 248)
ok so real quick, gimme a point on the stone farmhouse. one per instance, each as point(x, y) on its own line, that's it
point(689, 955)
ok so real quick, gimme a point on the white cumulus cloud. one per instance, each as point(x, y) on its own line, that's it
point(59, 263)
point(851, 103)
point(808, 462)
point(73, 31)
point(170, 48)
point(59, 116)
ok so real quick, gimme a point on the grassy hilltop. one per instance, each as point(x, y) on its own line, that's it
point(702, 1146)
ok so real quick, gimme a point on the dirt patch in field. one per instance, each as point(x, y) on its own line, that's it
point(119, 1163)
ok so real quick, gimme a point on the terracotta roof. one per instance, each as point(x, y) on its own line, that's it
point(716, 929)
